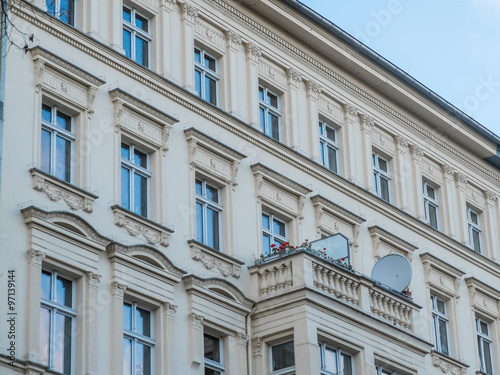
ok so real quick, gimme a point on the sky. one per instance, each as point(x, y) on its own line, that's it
point(450, 46)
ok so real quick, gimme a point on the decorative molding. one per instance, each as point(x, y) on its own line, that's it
point(235, 40)
point(351, 112)
point(36, 256)
point(189, 12)
point(118, 289)
point(441, 275)
point(475, 196)
point(447, 364)
point(393, 242)
point(295, 77)
point(274, 176)
point(210, 35)
point(254, 53)
point(273, 73)
point(134, 224)
point(367, 123)
point(432, 170)
point(213, 259)
point(242, 338)
point(383, 140)
point(331, 108)
point(401, 141)
point(94, 279)
point(170, 309)
point(313, 89)
point(196, 320)
point(461, 180)
point(490, 196)
point(484, 297)
point(56, 190)
point(448, 171)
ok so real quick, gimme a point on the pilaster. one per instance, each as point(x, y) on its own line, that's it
point(403, 172)
point(167, 34)
point(366, 130)
point(35, 259)
point(91, 331)
point(169, 313)
point(461, 185)
point(116, 25)
point(234, 43)
point(491, 221)
point(196, 352)
point(417, 154)
point(450, 199)
point(292, 119)
point(116, 327)
point(189, 14)
point(351, 119)
point(305, 339)
point(313, 91)
point(253, 55)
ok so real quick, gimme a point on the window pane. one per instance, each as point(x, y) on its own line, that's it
point(199, 187)
point(332, 159)
point(487, 358)
point(46, 279)
point(125, 188)
point(346, 364)
point(279, 228)
point(64, 292)
point(46, 111)
point(484, 327)
point(330, 360)
point(140, 195)
point(145, 53)
point(431, 192)
point(261, 94)
point(266, 244)
point(67, 11)
point(197, 82)
point(443, 336)
point(473, 217)
point(62, 344)
point(433, 216)
point(199, 222)
point(127, 316)
point(440, 306)
point(274, 120)
point(212, 228)
point(126, 15)
point(139, 51)
point(476, 243)
point(125, 153)
point(382, 164)
point(212, 348)
point(45, 154)
point(142, 359)
point(209, 371)
point(330, 133)
point(143, 322)
point(384, 189)
point(265, 221)
point(140, 158)
point(210, 91)
point(127, 43)
point(283, 356)
point(141, 23)
point(51, 7)
point(44, 335)
point(273, 100)
point(127, 357)
point(197, 56)
point(212, 193)
point(63, 159)
point(210, 63)
point(262, 119)
point(322, 152)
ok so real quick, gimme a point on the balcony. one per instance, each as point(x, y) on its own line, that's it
point(299, 269)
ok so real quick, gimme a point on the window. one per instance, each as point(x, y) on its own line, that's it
point(205, 74)
point(283, 359)
point(334, 361)
point(382, 177)
point(208, 211)
point(474, 230)
point(431, 205)
point(269, 113)
point(57, 143)
point(62, 9)
point(440, 322)
point(274, 232)
point(135, 176)
point(484, 345)
point(138, 343)
point(136, 36)
point(57, 322)
point(213, 355)
point(382, 371)
point(328, 146)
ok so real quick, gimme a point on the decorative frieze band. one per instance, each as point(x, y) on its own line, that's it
point(212, 259)
point(385, 243)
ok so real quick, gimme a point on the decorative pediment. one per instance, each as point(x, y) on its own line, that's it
point(440, 275)
point(483, 297)
point(215, 260)
point(385, 243)
point(273, 73)
point(447, 364)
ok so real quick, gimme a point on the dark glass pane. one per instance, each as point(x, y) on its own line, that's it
point(279, 227)
point(197, 82)
point(272, 100)
point(322, 152)
point(212, 193)
point(213, 229)
point(330, 133)
point(211, 91)
point(209, 371)
point(443, 336)
point(265, 221)
point(476, 242)
point(63, 159)
point(125, 182)
point(64, 292)
point(46, 281)
point(141, 23)
point(282, 356)
point(140, 158)
point(45, 153)
point(433, 216)
point(212, 348)
point(210, 63)
point(382, 164)
point(67, 12)
point(125, 151)
point(266, 244)
point(44, 335)
point(197, 55)
point(127, 316)
point(332, 159)
point(440, 306)
point(199, 222)
point(484, 328)
point(261, 93)
point(127, 357)
point(346, 363)
point(63, 121)
point(62, 344)
point(262, 119)
point(274, 120)
point(320, 128)
point(51, 7)
point(474, 218)
point(199, 187)
point(140, 195)
point(145, 53)
point(142, 359)
point(431, 193)
point(46, 111)
point(143, 322)
point(127, 43)
point(126, 15)
point(488, 366)
point(140, 58)
point(384, 189)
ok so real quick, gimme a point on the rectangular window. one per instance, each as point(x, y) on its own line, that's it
point(208, 213)
point(62, 9)
point(381, 177)
point(484, 342)
point(440, 322)
point(57, 322)
point(57, 143)
point(335, 362)
point(474, 230)
point(214, 364)
point(135, 176)
point(269, 113)
point(136, 36)
point(431, 205)
point(274, 232)
point(328, 146)
point(283, 359)
point(138, 342)
point(206, 77)
point(383, 371)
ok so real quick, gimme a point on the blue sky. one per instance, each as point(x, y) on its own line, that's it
point(451, 46)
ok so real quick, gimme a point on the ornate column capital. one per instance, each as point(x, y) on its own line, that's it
point(189, 12)
point(350, 111)
point(401, 142)
point(461, 179)
point(94, 279)
point(170, 309)
point(196, 320)
point(418, 153)
point(242, 338)
point(254, 53)
point(294, 77)
point(448, 171)
point(118, 289)
point(367, 123)
point(36, 256)
point(234, 39)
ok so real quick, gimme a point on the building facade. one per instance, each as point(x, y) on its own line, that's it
point(168, 164)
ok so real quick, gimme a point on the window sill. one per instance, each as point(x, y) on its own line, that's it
point(211, 258)
point(56, 189)
point(447, 364)
point(135, 225)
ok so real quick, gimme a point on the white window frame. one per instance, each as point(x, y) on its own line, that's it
point(211, 364)
point(383, 371)
point(379, 174)
point(55, 132)
point(206, 204)
point(338, 354)
point(57, 11)
point(266, 128)
point(133, 169)
point(474, 227)
point(138, 338)
point(137, 31)
point(484, 337)
point(55, 308)
point(429, 201)
point(438, 317)
point(285, 371)
point(273, 237)
point(207, 72)
point(326, 143)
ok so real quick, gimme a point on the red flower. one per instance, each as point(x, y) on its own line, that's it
point(343, 259)
point(324, 248)
point(281, 247)
point(273, 245)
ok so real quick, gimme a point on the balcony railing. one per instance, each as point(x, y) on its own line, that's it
point(298, 269)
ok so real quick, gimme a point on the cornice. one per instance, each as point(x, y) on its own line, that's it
point(210, 258)
point(472, 282)
point(391, 238)
point(447, 364)
point(224, 150)
point(435, 262)
point(65, 66)
point(274, 176)
point(336, 209)
point(134, 102)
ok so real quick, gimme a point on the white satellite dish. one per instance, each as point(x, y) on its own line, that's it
point(393, 271)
